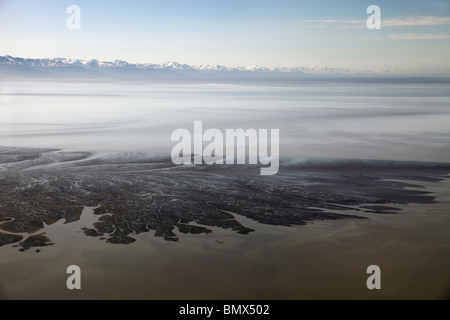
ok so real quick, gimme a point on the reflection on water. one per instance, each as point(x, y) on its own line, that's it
point(394, 121)
point(322, 259)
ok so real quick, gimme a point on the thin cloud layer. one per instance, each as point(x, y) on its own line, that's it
point(416, 21)
point(418, 36)
point(397, 22)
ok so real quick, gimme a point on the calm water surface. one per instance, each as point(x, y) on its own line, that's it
point(319, 260)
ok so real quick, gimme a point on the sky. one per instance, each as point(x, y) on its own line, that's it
point(414, 35)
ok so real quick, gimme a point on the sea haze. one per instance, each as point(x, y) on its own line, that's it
point(86, 179)
point(327, 118)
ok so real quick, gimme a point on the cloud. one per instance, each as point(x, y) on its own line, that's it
point(418, 36)
point(402, 36)
point(397, 22)
point(341, 23)
point(415, 21)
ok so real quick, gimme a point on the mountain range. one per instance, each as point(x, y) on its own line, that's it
point(63, 67)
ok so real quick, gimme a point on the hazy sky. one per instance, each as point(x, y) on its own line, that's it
point(414, 35)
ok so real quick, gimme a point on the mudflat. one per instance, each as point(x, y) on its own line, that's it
point(140, 227)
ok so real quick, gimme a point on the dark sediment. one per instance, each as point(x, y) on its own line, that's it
point(9, 238)
point(35, 241)
point(134, 194)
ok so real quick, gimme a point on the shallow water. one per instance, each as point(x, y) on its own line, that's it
point(393, 121)
point(323, 259)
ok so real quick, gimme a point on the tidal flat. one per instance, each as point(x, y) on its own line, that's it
point(140, 227)
point(86, 180)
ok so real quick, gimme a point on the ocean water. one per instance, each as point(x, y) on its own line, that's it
point(323, 259)
point(326, 119)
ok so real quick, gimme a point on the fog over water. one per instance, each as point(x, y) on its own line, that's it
point(330, 119)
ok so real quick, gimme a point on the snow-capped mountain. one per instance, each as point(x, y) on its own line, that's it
point(96, 65)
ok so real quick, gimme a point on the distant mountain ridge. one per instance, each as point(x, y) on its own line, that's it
point(96, 65)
